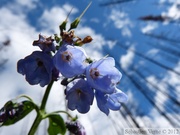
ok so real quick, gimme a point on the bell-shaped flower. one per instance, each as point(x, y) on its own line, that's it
point(70, 61)
point(79, 95)
point(45, 44)
point(102, 75)
point(37, 68)
point(110, 101)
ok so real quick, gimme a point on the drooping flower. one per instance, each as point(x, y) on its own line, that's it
point(75, 127)
point(44, 43)
point(70, 61)
point(79, 95)
point(37, 68)
point(102, 75)
point(110, 101)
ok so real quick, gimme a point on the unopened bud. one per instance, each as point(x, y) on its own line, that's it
point(74, 24)
point(87, 39)
point(63, 26)
point(76, 128)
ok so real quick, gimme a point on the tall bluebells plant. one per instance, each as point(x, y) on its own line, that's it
point(62, 58)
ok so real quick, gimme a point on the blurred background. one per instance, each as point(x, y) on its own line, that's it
point(142, 35)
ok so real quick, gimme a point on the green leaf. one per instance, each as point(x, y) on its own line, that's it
point(56, 125)
point(12, 112)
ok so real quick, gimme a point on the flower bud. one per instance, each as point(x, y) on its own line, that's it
point(76, 128)
point(87, 39)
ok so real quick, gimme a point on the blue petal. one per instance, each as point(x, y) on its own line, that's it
point(113, 104)
point(108, 77)
point(72, 98)
point(101, 102)
point(20, 67)
point(120, 96)
point(83, 104)
point(74, 66)
point(79, 95)
point(33, 72)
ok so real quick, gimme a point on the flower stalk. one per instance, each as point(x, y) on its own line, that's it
point(45, 98)
point(35, 125)
point(41, 112)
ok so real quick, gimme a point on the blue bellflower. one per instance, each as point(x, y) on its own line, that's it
point(79, 95)
point(45, 44)
point(37, 68)
point(102, 75)
point(110, 101)
point(70, 61)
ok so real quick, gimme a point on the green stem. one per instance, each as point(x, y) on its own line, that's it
point(41, 111)
point(24, 96)
point(44, 100)
point(35, 125)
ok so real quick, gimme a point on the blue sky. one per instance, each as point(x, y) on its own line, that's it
point(150, 66)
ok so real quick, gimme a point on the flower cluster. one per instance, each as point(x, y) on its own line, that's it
point(62, 58)
point(99, 79)
point(84, 78)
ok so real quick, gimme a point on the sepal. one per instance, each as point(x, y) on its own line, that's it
point(62, 27)
point(75, 23)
